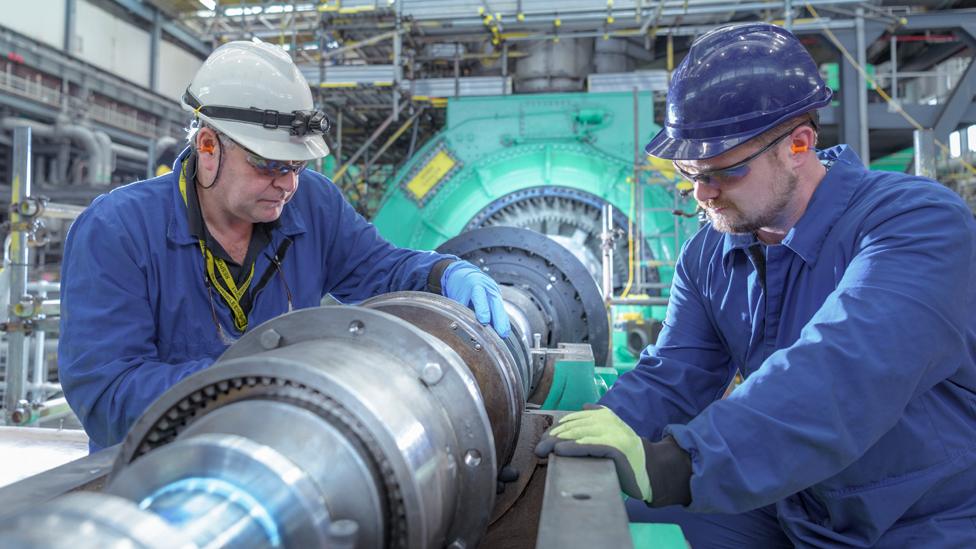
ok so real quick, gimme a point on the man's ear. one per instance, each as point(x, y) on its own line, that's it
point(206, 141)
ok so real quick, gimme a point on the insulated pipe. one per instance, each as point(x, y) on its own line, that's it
point(107, 156)
point(38, 128)
point(51, 409)
point(54, 210)
point(43, 286)
point(130, 152)
point(86, 138)
point(164, 142)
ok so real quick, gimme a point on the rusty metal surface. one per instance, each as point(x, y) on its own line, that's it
point(524, 461)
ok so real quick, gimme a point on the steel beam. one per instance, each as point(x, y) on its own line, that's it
point(155, 35)
point(181, 34)
point(882, 119)
point(942, 19)
point(960, 100)
point(582, 506)
point(70, 17)
point(853, 96)
point(356, 45)
point(862, 87)
point(362, 150)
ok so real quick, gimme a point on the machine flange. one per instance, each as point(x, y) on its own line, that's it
point(549, 273)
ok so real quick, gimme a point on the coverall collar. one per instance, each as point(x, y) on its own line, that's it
point(828, 202)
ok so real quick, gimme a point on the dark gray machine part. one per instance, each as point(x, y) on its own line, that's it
point(582, 506)
point(572, 218)
point(550, 278)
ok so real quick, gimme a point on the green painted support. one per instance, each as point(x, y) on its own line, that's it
point(573, 385)
point(657, 536)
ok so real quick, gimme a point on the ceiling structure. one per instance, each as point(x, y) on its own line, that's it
point(383, 67)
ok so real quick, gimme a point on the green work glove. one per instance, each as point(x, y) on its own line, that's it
point(598, 432)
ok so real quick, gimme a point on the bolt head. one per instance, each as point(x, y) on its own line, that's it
point(431, 373)
point(472, 458)
point(356, 327)
point(270, 339)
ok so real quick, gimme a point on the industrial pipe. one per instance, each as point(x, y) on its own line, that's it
point(49, 410)
point(96, 158)
point(107, 157)
point(17, 343)
point(130, 152)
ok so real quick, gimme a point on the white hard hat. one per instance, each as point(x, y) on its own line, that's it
point(254, 94)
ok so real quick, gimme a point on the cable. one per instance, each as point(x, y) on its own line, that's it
point(630, 239)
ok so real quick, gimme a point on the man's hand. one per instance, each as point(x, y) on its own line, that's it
point(598, 432)
point(466, 284)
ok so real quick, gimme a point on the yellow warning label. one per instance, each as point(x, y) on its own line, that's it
point(431, 174)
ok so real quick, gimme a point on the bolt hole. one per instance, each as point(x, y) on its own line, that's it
point(581, 497)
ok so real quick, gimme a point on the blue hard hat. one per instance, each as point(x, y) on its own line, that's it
point(736, 82)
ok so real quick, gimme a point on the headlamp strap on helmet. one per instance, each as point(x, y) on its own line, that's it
point(298, 123)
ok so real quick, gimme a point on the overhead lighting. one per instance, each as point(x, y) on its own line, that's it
point(209, 4)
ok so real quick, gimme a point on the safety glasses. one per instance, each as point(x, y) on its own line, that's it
point(734, 173)
point(267, 167)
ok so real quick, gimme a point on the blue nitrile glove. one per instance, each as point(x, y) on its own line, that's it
point(598, 432)
point(469, 286)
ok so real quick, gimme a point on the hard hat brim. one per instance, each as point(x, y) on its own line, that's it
point(674, 147)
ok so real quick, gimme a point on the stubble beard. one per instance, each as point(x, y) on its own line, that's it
point(732, 220)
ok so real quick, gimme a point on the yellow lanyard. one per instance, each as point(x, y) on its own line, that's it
point(228, 291)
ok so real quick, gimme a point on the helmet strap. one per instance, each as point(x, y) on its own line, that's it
point(297, 123)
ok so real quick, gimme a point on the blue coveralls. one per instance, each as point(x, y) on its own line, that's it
point(856, 422)
point(135, 313)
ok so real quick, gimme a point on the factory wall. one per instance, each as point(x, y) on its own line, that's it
point(112, 44)
point(176, 67)
point(106, 41)
point(48, 28)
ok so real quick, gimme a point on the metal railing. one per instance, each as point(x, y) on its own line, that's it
point(35, 90)
point(30, 88)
